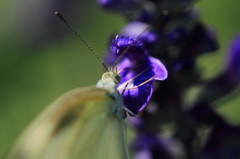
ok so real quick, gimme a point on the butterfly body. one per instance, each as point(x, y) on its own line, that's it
point(84, 123)
point(109, 81)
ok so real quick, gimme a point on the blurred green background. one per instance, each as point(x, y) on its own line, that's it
point(40, 58)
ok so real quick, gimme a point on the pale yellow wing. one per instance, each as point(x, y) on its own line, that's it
point(78, 125)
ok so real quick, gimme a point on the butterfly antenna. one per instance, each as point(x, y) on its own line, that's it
point(142, 82)
point(68, 24)
point(164, 13)
point(136, 77)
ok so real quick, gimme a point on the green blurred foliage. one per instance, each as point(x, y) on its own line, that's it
point(35, 70)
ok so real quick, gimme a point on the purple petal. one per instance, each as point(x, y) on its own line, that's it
point(136, 99)
point(223, 142)
point(134, 29)
point(159, 69)
point(202, 40)
point(150, 39)
point(233, 64)
point(120, 44)
point(157, 147)
point(143, 154)
point(134, 62)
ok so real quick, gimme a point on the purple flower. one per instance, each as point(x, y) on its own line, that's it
point(232, 69)
point(223, 142)
point(135, 28)
point(150, 39)
point(203, 114)
point(189, 35)
point(201, 40)
point(136, 61)
point(178, 38)
point(150, 146)
point(227, 80)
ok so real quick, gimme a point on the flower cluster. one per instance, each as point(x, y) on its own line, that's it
point(139, 66)
point(168, 128)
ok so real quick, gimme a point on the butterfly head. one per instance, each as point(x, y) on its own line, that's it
point(112, 77)
point(109, 81)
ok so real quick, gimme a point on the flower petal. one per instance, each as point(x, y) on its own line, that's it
point(158, 68)
point(136, 99)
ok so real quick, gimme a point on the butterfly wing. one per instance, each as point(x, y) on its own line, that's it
point(79, 125)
